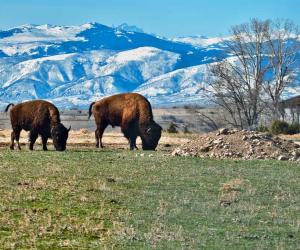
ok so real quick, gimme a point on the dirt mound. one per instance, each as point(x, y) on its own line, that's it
point(240, 144)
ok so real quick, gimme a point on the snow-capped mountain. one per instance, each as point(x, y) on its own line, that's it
point(126, 27)
point(75, 65)
point(201, 41)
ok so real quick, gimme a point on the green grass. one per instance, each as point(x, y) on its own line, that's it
point(91, 199)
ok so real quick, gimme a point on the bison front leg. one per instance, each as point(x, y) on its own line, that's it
point(129, 130)
point(131, 139)
point(44, 142)
point(132, 142)
point(32, 138)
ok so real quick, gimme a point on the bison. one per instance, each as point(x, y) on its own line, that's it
point(39, 118)
point(133, 113)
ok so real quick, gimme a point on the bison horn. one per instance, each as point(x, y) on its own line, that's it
point(69, 129)
point(148, 130)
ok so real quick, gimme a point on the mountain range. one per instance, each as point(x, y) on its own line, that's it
point(72, 66)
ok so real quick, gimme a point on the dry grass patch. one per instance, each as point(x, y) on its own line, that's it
point(98, 186)
point(230, 191)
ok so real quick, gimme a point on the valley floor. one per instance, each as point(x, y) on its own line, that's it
point(112, 139)
point(89, 199)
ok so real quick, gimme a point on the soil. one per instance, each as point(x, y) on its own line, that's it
point(86, 138)
point(240, 144)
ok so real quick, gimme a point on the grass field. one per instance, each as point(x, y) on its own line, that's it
point(95, 199)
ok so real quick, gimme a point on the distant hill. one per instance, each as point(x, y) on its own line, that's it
point(75, 65)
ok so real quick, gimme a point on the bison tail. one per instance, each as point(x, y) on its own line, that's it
point(90, 109)
point(7, 107)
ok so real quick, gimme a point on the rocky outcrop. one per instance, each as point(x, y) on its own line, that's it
point(242, 144)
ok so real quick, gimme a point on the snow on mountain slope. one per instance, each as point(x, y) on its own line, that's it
point(200, 41)
point(180, 86)
point(75, 65)
point(84, 75)
point(27, 39)
point(32, 41)
point(42, 33)
point(126, 27)
point(82, 63)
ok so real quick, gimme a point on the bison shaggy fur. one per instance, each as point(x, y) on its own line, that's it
point(133, 113)
point(39, 118)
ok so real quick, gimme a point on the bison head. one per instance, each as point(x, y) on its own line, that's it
point(59, 134)
point(151, 136)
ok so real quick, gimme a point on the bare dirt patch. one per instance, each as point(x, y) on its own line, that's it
point(295, 138)
point(86, 138)
point(242, 144)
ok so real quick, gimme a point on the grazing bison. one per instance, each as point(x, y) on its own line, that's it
point(39, 118)
point(133, 113)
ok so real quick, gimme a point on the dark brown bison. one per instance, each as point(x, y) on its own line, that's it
point(39, 118)
point(133, 113)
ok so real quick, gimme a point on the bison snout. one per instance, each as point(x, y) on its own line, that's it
point(149, 148)
point(60, 149)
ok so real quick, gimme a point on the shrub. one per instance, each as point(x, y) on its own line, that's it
point(172, 128)
point(186, 130)
point(294, 128)
point(279, 127)
point(262, 128)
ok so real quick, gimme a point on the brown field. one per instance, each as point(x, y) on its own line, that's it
point(113, 139)
point(295, 137)
point(82, 133)
point(183, 118)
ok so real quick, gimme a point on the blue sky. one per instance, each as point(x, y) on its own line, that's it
point(163, 17)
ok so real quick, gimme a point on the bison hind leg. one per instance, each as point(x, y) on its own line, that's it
point(97, 138)
point(12, 142)
point(32, 138)
point(98, 135)
point(15, 135)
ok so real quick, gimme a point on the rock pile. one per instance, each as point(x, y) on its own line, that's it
point(241, 144)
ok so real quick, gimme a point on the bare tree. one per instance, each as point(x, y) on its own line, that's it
point(261, 65)
point(208, 121)
point(237, 82)
point(282, 48)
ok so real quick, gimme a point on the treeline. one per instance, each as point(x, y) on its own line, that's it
point(249, 84)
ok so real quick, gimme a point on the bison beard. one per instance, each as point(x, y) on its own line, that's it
point(39, 118)
point(133, 113)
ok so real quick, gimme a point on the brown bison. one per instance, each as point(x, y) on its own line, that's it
point(39, 118)
point(133, 113)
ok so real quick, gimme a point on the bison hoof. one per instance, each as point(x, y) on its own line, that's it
point(11, 147)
